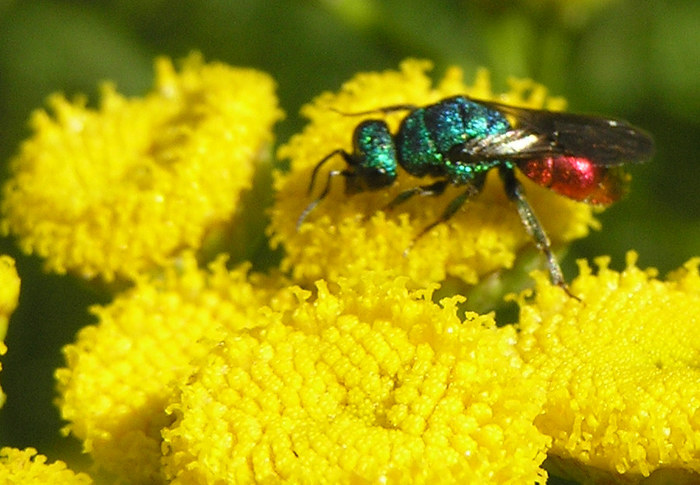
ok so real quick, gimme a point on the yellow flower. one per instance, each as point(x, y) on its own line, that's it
point(119, 373)
point(347, 235)
point(25, 467)
point(365, 383)
point(9, 292)
point(622, 366)
point(9, 295)
point(118, 190)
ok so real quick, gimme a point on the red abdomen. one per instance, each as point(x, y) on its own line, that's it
point(577, 178)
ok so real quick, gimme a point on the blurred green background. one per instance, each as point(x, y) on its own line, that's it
point(638, 60)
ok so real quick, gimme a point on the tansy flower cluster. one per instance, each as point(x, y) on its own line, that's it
point(623, 381)
point(154, 331)
point(114, 192)
point(367, 382)
point(474, 242)
point(340, 366)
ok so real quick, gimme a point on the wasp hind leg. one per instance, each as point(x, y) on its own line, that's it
point(516, 193)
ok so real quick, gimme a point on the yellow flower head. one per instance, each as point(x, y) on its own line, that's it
point(366, 383)
point(9, 295)
point(117, 190)
point(347, 235)
point(119, 373)
point(623, 369)
point(25, 467)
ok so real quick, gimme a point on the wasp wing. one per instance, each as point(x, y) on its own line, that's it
point(541, 133)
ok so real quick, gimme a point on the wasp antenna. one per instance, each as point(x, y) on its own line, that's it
point(384, 110)
point(335, 110)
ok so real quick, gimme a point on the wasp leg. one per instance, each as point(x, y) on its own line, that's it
point(326, 190)
point(346, 156)
point(516, 193)
point(454, 205)
point(449, 211)
point(434, 189)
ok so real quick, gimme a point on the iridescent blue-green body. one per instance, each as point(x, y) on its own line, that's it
point(430, 139)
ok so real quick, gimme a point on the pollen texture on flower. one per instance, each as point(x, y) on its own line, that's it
point(26, 467)
point(119, 373)
point(483, 236)
point(116, 190)
point(363, 383)
point(623, 367)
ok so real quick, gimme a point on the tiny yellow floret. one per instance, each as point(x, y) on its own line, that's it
point(115, 191)
point(120, 372)
point(365, 383)
point(26, 467)
point(623, 367)
point(349, 234)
